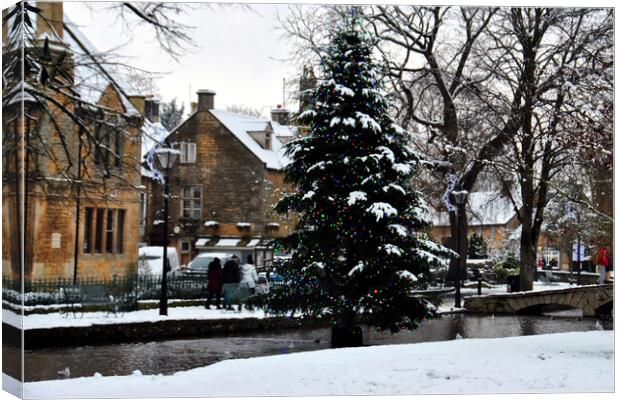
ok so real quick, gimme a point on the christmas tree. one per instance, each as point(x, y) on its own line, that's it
point(359, 247)
point(477, 248)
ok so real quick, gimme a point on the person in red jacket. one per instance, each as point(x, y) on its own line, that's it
point(602, 264)
point(214, 286)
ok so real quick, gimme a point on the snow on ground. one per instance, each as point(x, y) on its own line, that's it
point(554, 363)
point(52, 320)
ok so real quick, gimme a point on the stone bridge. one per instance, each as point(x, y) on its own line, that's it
point(593, 300)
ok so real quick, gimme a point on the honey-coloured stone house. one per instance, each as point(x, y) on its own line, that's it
point(77, 206)
point(225, 184)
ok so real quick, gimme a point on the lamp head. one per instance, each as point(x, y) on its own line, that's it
point(167, 157)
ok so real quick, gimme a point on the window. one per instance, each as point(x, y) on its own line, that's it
point(142, 213)
point(120, 226)
point(192, 202)
point(185, 246)
point(98, 227)
point(108, 146)
point(88, 230)
point(188, 152)
point(109, 231)
point(103, 230)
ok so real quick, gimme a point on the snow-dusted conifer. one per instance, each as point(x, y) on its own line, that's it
point(359, 247)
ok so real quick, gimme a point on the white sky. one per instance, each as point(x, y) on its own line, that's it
point(239, 52)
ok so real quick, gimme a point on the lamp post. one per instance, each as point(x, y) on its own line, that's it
point(167, 157)
point(459, 197)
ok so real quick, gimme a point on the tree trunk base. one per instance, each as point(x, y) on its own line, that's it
point(347, 336)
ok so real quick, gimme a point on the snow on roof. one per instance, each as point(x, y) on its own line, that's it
point(153, 133)
point(483, 208)
point(286, 131)
point(92, 75)
point(227, 242)
point(241, 125)
point(489, 208)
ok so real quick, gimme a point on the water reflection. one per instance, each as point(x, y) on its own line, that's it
point(175, 355)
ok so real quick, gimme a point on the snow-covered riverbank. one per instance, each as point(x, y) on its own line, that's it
point(59, 320)
point(555, 363)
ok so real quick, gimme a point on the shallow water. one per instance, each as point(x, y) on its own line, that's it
point(169, 356)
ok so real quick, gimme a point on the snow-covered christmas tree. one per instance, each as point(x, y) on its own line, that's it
point(359, 247)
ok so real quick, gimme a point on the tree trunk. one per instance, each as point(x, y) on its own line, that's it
point(528, 260)
point(458, 229)
point(345, 333)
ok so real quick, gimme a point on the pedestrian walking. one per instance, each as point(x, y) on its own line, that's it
point(248, 274)
point(609, 277)
point(230, 280)
point(214, 286)
point(602, 262)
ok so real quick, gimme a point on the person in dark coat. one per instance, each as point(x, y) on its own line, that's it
point(230, 279)
point(214, 286)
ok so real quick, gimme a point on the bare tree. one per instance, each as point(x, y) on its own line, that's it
point(431, 54)
point(542, 53)
point(244, 110)
point(67, 139)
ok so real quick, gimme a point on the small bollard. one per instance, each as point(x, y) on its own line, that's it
point(479, 286)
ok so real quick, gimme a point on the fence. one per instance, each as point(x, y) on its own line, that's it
point(148, 287)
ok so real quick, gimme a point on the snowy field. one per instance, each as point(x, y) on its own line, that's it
point(555, 363)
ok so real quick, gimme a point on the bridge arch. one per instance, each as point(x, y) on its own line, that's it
point(593, 300)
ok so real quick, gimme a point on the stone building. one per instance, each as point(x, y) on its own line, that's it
point(491, 215)
point(223, 188)
point(78, 200)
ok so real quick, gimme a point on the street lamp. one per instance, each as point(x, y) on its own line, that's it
point(459, 197)
point(167, 157)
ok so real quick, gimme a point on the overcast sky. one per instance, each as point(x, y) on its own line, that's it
point(238, 55)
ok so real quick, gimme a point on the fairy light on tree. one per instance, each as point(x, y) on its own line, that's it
point(359, 246)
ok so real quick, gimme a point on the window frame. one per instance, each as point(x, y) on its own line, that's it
point(188, 152)
point(191, 199)
point(104, 230)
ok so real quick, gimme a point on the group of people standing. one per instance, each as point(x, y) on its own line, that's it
point(226, 280)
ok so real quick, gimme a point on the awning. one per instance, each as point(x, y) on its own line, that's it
point(253, 243)
point(227, 243)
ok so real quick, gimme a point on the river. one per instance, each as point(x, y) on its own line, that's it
point(169, 356)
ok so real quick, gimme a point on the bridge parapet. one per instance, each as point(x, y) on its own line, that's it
point(590, 299)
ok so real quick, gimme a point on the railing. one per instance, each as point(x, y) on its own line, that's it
point(50, 291)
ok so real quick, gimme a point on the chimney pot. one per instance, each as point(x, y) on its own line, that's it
point(280, 115)
point(206, 99)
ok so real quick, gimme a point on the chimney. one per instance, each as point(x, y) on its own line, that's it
point(151, 109)
point(206, 99)
point(49, 20)
point(280, 115)
point(193, 106)
point(137, 100)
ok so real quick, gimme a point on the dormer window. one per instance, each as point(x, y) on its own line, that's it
point(188, 152)
point(267, 140)
point(263, 138)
